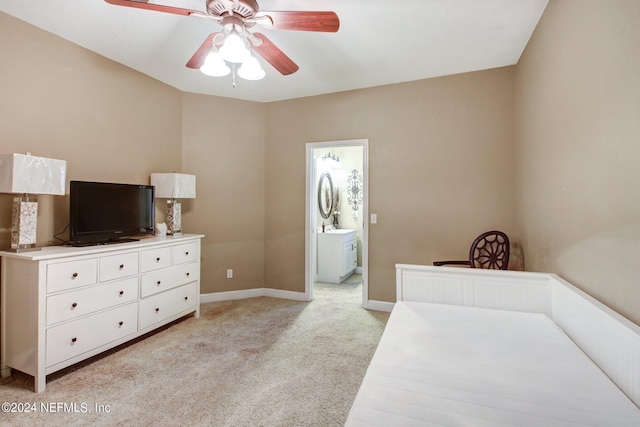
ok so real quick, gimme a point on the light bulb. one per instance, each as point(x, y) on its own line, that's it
point(233, 49)
point(214, 65)
point(251, 69)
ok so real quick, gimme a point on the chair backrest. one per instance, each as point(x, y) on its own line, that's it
point(490, 250)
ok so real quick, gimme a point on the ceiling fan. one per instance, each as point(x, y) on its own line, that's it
point(236, 18)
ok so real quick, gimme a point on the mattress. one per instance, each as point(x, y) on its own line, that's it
point(445, 365)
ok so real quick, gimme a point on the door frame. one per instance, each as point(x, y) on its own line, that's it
point(311, 213)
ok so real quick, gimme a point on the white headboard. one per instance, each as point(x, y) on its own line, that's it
point(474, 288)
point(609, 339)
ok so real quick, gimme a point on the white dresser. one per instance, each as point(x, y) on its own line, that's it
point(62, 304)
point(337, 255)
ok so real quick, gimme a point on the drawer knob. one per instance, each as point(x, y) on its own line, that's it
point(73, 340)
point(120, 323)
point(188, 274)
point(121, 293)
point(74, 275)
point(74, 305)
point(187, 253)
point(158, 282)
point(121, 266)
point(186, 298)
point(158, 259)
point(157, 309)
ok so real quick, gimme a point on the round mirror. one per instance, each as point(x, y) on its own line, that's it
point(325, 195)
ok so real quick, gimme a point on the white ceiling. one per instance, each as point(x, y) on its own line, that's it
point(379, 42)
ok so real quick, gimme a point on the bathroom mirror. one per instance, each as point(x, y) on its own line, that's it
point(325, 195)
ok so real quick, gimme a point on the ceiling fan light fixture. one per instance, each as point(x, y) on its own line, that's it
point(234, 49)
point(251, 70)
point(214, 65)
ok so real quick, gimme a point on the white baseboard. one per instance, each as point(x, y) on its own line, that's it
point(252, 293)
point(279, 293)
point(282, 294)
point(380, 305)
point(231, 295)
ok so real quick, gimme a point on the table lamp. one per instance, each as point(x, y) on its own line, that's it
point(26, 174)
point(174, 186)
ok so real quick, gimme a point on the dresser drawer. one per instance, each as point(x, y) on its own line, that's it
point(118, 266)
point(163, 280)
point(154, 259)
point(186, 273)
point(158, 281)
point(74, 338)
point(161, 306)
point(69, 305)
point(72, 274)
point(185, 253)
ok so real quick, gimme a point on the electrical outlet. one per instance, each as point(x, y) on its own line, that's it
point(229, 273)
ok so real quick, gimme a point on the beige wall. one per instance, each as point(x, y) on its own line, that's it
point(113, 124)
point(58, 100)
point(441, 170)
point(443, 162)
point(578, 121)
point(223, 145)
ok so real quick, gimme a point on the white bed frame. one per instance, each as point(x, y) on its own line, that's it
point(486, 348)
point(611, 341)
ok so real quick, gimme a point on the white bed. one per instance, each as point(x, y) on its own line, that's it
point(478, 348)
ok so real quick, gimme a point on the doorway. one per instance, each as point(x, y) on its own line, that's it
point(346, 163)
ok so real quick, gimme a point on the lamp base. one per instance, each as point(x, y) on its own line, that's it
point(174, 218)
point(24, 219)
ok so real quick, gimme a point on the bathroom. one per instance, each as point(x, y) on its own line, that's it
point(339, 214)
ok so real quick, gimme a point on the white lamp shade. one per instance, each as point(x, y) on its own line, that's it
point(233, 49)
point(27, 174)
point(174, 185)
point(251, 69)
point(214, 65)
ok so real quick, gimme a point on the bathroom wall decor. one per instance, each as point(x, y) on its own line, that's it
point(354, 191)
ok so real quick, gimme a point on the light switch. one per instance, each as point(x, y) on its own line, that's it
point(374, 218)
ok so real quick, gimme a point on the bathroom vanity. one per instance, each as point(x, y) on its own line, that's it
point(337, 255)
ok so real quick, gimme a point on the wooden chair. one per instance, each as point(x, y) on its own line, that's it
point(490, 250)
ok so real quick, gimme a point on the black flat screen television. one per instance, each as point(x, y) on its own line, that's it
point(102, 212)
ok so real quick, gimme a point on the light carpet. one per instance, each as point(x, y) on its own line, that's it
point(253, 362)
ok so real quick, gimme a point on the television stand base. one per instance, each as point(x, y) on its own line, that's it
point(103, 242)
point(125, 240)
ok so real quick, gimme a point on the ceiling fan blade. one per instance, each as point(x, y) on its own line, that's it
point(273, 55)
point(327, 22)
point(198, 58)
point(158, 7)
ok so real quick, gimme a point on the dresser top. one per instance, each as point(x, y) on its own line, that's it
point(52, 252)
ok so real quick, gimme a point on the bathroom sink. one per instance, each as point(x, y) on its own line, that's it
point(340, 231)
